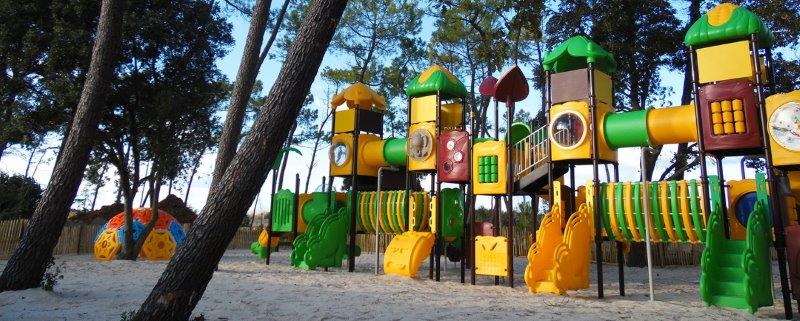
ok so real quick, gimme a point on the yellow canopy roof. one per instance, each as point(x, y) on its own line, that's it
point(360, 95)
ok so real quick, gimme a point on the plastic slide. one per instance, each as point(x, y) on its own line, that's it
point(737, 273)
point(325, 242)
point(560, 262)
point(406, 252)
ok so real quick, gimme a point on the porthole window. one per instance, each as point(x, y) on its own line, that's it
point(568, 130)
point(340, 152)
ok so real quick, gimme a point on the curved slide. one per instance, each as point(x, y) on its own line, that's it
point(560, 262)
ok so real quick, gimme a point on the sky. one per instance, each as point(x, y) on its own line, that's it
point(16, 160)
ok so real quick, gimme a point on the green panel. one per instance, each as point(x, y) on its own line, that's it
point(452, 205)
point(283, 211)
point(677, 223)
point(740, 26)
point(576, 53)
point(694, 207)
point(482, 139)
point(606, 218)
point(656, 206)
point(519, 131)
point(623, 224)
point(394, 151)
point(488, 169)
point(441, 81)
point(325, 242)
point(637, 208)
point(627, 129)
point(735, 273)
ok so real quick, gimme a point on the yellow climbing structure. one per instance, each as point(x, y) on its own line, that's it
point(406, 252)
point(559, 261)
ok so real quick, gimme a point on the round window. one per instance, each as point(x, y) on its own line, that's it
point(340, 152)
point(568, 130)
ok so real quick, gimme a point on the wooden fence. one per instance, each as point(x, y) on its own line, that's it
point(79, 239)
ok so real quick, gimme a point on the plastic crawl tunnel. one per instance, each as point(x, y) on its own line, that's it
point(390, 151)
point(651, 127)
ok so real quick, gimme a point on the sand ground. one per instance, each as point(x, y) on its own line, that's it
point(245, 289)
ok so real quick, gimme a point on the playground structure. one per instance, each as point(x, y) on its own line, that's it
point(731, 116)
point(167, 234)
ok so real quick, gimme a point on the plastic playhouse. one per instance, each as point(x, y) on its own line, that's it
point(734, 113)
point(164, 238)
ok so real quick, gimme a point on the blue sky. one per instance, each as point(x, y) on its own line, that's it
point(629, 158)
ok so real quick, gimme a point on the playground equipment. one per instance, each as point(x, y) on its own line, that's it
point(729, 116)
point(167, 234)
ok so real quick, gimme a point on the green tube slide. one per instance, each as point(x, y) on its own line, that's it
point(626, 129)
point(394, 151)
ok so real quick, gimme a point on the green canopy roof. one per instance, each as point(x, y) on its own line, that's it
point(436, 79)
point(725, 23)
point(576, 53)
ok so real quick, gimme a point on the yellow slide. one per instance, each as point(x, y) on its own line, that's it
point(406, 252)
point(559, 262)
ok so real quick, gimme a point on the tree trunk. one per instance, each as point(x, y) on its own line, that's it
point(285, 159)
point(187, 274)
point(155, 188)
point(191, 178)
point(317, 139)
point(274, 34)
point(242, 88)
point(29, 260)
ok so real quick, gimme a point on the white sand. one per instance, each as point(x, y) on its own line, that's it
point(245, 289)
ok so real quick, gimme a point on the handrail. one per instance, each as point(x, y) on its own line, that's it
point(531, 151)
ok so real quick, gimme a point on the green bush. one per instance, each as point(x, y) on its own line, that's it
point(18, 196)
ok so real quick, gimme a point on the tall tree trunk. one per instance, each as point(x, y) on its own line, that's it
point(155, 189)
point(29, 260)
point(242, 87)
point(186, 276)
point(274, 33)
point(285, 159)
point(30, 159)
point(191, 178)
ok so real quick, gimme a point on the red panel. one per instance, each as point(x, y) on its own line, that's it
point(730, 144)
point(454, 157)
point(793, 249)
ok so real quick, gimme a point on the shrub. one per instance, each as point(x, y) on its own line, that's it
point(18, 196)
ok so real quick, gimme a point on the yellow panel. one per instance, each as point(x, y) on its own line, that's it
point(603, 89)
point(612, 211)
point(628, 207)
point(491, 255)
point(432, 218)
point(345, 121)
point(490, 148)
point(301, 201)
point(736, 190)
point(663, 189)
point(686, 214)
point(427, 161)
point(364, 168)
point(423, 109)
point(781, 156)
point(583, 151)
point(406, 252)
point(723, 62)
point(452, 115)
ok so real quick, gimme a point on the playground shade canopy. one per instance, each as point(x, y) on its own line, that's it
point(576, 53)
point(361, 96)
point(436, 79)
point(727, 22)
